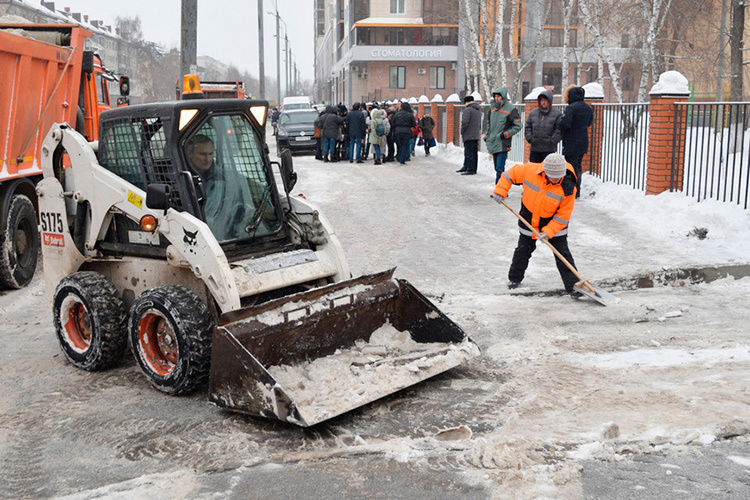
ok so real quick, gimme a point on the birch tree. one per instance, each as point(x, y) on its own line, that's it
point(492, 32)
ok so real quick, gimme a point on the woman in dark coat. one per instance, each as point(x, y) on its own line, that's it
point(574, 126)
point(329, 124)
point(427, 124)
point(403, 122)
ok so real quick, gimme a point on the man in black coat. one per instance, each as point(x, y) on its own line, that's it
point(471, 130)
point(403, 123)
point(355, 123)
point(574, 126)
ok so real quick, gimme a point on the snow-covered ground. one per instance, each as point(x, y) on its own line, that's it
point(559, 382)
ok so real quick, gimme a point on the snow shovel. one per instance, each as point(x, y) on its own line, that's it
point(583, 286)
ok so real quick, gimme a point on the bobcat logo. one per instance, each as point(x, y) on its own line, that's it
point(190, 237)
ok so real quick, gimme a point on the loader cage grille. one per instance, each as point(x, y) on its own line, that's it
point(136, 150)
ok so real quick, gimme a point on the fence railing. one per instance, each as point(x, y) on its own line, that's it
point(618, 144)
point(709, 159)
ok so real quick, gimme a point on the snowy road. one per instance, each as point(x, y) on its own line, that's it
point(565, 391)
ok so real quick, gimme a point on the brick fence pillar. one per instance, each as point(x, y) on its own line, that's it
point(424, 103)
point(671, 87)
point(450, 106)
point(592, 161)
point(437, 133)
point(529, 104)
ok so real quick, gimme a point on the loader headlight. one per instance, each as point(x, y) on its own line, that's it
point(149, 223)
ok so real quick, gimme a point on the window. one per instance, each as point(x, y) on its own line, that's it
point(396, 37)
point(627, 81)
point(437, 77)
point(227, 155)
point(552, 78)
point(398, 7)
point(398, 77)
point(625, 41)
point(591, 74)
point(102, 90)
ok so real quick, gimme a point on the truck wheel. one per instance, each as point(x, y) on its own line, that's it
point(170, 336)
point(19, 244)
point(90, 321)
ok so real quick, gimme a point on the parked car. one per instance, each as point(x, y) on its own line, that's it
point(296, 130)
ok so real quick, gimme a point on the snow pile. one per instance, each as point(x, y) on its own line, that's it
point(390, 361)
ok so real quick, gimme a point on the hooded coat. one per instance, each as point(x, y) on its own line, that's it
point(504, 123)
point(542, 130)
point(575, 123)
point(376, 119)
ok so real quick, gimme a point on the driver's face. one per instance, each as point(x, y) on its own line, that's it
point(202, 156)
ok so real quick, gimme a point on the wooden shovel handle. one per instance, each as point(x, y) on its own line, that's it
point(558, 254)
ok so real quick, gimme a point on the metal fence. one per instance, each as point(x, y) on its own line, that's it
point(709, 159)
point(619, 141)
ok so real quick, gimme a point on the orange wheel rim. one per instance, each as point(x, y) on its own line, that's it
point(158, 343)
point(78, 326)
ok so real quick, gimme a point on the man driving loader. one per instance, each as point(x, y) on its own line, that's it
point(230, 205)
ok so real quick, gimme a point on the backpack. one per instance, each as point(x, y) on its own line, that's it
point(380, 129)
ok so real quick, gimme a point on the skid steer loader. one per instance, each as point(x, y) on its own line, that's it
point(170, 236)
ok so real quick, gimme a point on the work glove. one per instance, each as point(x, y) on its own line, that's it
point(498, 198)
point(542, 236)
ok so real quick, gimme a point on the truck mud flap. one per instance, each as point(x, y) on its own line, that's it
point(315, 355)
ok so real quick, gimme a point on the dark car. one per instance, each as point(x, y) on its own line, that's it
point(296, 130)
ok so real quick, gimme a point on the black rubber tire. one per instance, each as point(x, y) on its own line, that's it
point(19, 244)
point(170, 336)
point(90, 321)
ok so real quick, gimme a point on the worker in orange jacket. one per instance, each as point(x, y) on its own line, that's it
point(549, 193)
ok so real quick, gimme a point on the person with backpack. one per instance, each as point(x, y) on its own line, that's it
point(379, 128)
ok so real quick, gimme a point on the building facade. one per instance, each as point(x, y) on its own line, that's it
point(372, 50)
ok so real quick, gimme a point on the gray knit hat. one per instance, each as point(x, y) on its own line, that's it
point(554, 166)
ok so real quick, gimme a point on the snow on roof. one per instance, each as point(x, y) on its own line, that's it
point(671, 82)
point(453, 98)
point(437, 98)
point(391, 20)
point(423, 99)
point(477, 96)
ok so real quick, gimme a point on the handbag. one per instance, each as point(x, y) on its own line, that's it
point(420, 142)
point(433, 143)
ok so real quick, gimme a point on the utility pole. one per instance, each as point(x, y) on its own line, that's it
point(189, 37)
point(278, 57)
point(261, 52)
point(288, 62)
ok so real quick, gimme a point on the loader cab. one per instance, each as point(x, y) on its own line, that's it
point(212, 157)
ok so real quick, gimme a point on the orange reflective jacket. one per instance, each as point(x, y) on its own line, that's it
point(546, 206)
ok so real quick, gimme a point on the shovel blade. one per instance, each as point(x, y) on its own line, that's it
point(601, 296)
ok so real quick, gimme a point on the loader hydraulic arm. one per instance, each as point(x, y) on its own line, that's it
point(191, 241)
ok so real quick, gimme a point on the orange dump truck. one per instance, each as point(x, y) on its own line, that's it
point(46, 77)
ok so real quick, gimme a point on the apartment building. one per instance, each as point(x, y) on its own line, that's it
point(370, 50)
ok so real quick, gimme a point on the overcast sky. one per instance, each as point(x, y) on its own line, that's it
point(227, 29)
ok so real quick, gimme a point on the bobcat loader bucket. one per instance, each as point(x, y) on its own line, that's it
point(312, 356)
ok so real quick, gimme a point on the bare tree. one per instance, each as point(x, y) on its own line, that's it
point(736, 32)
